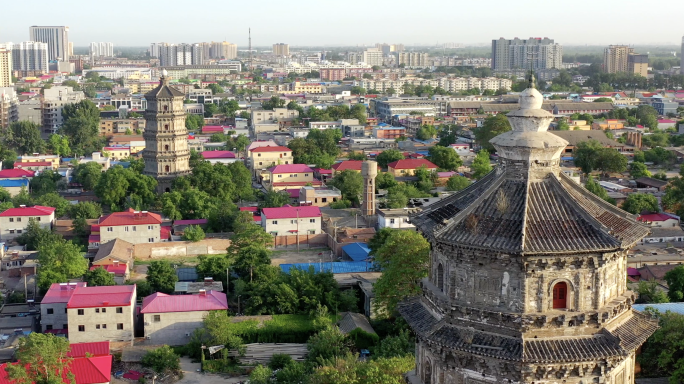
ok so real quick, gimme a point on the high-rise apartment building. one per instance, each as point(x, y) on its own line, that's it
point(101, 49)
point(54, 100)
point(533, 53)
point(412, 59)
point(70, 49)
point(637, 64)
point(5, 66)
point(281, 49)
point(388, 49)
point(615, 58)
point(681, 55)
point(372, 56)
point(57, 39)
point(30, 57)
point(223, 50)
point(178, 54)
point(9, 107)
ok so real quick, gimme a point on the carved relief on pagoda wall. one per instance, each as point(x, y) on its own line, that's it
point(478, 278)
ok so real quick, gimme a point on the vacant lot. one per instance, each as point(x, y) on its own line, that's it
point(303, 256)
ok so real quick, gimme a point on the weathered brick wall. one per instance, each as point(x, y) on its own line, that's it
point(180, 248)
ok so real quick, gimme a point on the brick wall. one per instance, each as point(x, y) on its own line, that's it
point(180, 248)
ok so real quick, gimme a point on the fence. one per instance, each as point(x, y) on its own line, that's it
point(180, 248)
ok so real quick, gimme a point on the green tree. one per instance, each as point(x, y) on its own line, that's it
point(492, 127)
point(275, 199)
point(610, 160)
point(385, 180)
point(261, 375)
point(162, 359)
point(481, 165)
point(59, 145)
point(388, 156)
point(119, 185)
point(273, 102)
point(404, 259)
point(82, 127)
point(675, 283)
point(649, 292)
point(161, 276)
point(586, 155)
point(34, 235)
point(350, 184)
point(663, 352)
point(327, 344)
point(24, 137)
point(659, 155)
point(215, 88)
point(637, 170)
point(426, 132)
point(445, 158)
point(594, 187)
point(214, 266)
point(350, 369)
point(563, 125)
point(194, 122)
point(396, 346)
point(250, 257)
point(84, 210)
point(637, 203)
point(59, 260)
point(193, 233)
point(53, 199)
point(457, 183)
point(44, 360)
point(639, 157)
point(44, 183)
point(98, 277)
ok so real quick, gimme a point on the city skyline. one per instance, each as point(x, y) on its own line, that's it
point(222, 21)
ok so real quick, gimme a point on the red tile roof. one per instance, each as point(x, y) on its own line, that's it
point(91, 370)
point(354, 165)
point(294, 193)
point(655, 217)
point(130, 217)
point(271, 149)
point(111, 268)
point(411, 164)
point(19, 164)
point(291, 212)
point(16, 173)
point(163, 303)
point(323, 171)
point(315, 183)
point(218, 155)
point(255, 217)
point(212, 128)
point(93, 238)
point(36, 210)
point(99, 348)
point(61, 292)
point(290, 168)
point(108, 296)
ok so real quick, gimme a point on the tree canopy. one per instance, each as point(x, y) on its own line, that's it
point(24, 137)
point(445, 158)
point(638, 203)
point(492, 127)
point(122, 188)
point(481, 165)
point(457, 183)
point(388, 156)
point(44, 360)
point(98, 277)
point(82, 127)
point(161, 276)
point(350, 184)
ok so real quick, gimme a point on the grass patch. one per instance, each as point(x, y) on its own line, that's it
point(282, 329)
point(181, 261)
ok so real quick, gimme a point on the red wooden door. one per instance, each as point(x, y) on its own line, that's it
point(560, 292)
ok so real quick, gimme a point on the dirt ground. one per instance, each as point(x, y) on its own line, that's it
point(303, 256)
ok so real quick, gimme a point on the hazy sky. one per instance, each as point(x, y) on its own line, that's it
point(349, 22)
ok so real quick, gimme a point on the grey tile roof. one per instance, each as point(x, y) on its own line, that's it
point(350, 321)
point(550, 215)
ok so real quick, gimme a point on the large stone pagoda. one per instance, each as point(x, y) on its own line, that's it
point(528, 273)
point(166, 151)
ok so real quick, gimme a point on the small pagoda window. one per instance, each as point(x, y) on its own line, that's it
point(440, 277)
point(560, 294)
point(167, 168)
point(166, 108)
point(166, 127)
point(166, 147)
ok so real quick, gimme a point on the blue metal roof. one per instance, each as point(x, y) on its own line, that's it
point(357, 251)
point(336, 267)
point(662, 308)
point(9, 183)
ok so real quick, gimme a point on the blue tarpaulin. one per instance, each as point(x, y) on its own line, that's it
point(357, 251)
point(336, 267)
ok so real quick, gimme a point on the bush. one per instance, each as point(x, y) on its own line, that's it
point(279, 361)
point(363, 339)
point(396, 346)
point(193, 233)
point(161, 360)
point(282, 329)
point(340, 204)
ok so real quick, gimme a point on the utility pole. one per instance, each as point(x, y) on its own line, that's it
point(250, 50)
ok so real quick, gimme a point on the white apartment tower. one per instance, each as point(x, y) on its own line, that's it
point(101, 49)
point(281, 49)
point(533, 53)
point(372, 56)
point(57, 39)
point(30, 56)
point(5, 66)
point(179, 54)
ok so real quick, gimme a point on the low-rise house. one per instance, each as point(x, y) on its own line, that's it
point(112, 252)
point(54, 160)
point(171, 319)
point(117, 153)
point(649, 182)
point(134, 226)
point(394, 218)
point(287, 220)
point(53, 308)
point(223, 157)
point(352, 165)
point(664, 235)
point(575, 137)
point(265, 157)
point(119, 271)
point(34, 166)
point(13, 222)
point(289, 173)
point(16, 173)
point(408, 167)
point(14, 186)
point(388, 132)
point(319, 197)
point(101, 313)
point(659, 220)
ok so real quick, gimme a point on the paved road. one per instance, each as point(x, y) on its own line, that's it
point(192, 376)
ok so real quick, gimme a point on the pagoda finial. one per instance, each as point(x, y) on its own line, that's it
point(532, 83)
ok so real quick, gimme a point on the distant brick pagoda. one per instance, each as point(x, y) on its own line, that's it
point(166, 151)
point(527, 277)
